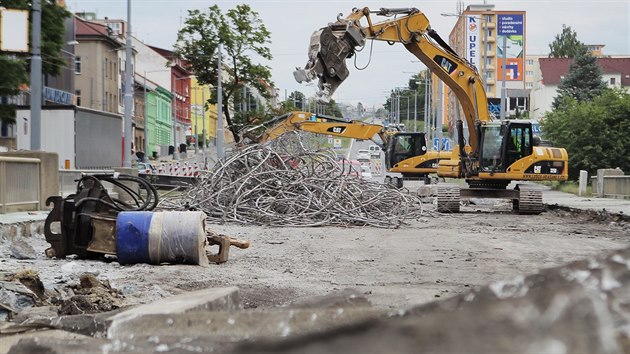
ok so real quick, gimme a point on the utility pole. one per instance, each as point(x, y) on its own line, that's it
point(127, 139)
point(415, 110)
point(440, 113)
point(174, 116)
point(219, 108)
point(196, 109)
point(36, 78)
point(484, 24)
point(146, 121)
point(503, 98)
point(203, 110)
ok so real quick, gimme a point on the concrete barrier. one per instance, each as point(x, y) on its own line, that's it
point(19, 184)
point(611, 183)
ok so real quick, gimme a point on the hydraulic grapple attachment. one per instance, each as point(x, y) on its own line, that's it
point(329, 48)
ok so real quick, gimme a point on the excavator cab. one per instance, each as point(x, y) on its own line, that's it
point(403, 146)
point(504, 144)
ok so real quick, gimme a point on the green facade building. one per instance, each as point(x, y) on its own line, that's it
point(159, 120)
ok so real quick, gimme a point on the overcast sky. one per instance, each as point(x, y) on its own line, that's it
point(291, 23)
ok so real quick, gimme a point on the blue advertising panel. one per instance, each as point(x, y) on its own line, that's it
point(510, 25)
point(510, 32)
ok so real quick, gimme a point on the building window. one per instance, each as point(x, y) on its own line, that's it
point(488, 61)
point(612, 81)
point(488, 18)
point(105, 70)
point(489, 33)
point(530, 84)
point(77, 65)
point(530, 61)
point(114, 27)
point(105, 103)
point(77, 93)
point(529, 73)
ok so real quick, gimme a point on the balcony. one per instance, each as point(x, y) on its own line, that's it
point(490, 81)
point(490, 67)
point(491, 39)
point(490, 53)
point(485, 24)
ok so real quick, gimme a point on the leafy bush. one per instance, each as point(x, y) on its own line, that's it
point(595, 133)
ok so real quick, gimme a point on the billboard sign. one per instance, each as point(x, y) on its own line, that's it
point(511, 35)
point(13, 30)
point(473, 40)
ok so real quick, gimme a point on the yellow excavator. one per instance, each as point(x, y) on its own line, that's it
point(489, 154)
point(406, 154)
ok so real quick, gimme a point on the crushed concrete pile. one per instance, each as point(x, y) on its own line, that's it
point(287, 183)
point(580, 307)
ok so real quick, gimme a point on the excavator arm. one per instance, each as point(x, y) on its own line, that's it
point(318, 124)
point(331, 45)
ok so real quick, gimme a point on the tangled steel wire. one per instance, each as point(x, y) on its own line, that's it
point(286, 183)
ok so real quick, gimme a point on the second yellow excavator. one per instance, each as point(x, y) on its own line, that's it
point(489, 154)
point(406, 154)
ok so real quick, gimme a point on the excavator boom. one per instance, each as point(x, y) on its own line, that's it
point(331, 45)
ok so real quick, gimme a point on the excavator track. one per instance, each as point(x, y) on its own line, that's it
point(529, 201)
point(448, 197)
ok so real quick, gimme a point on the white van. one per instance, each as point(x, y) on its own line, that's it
point(375, 150)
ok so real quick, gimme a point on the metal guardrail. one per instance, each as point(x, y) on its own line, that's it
point(19, 184)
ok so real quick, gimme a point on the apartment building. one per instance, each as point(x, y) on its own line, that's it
point(487, 37)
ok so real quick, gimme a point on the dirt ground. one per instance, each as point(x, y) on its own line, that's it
point(436, 256)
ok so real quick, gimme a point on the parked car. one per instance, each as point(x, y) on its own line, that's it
point(146, 168)
point(363, 154)
point(365, 172)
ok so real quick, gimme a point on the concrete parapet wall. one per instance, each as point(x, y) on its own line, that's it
point(611, 183)
point(49, 172)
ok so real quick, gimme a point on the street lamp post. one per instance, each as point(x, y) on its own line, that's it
point(36, 78)
point(128, 136)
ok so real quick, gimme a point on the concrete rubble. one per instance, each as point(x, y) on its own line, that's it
point(579, 307)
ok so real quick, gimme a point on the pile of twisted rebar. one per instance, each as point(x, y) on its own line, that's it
point(287, 183)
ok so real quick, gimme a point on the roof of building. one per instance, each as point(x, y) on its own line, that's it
point(85, 28)
point(553, 69)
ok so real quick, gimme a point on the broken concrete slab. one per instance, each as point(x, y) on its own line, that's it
point(231, 326)
point(20, 249)
point(7, 342)
point(339, 299)
point(73, 344)
point(212, 299)
point(580, 307)
point(152, 344)
point(14, 297)
point(36, 313)
point(427, 190)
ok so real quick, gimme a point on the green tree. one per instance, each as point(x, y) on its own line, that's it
point(298, 99)
point(15, 68)
point(583, 82)
point(565, 44)
point(243, 36)
point(595, 133)
point(332, 109)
